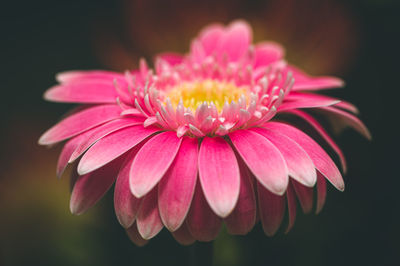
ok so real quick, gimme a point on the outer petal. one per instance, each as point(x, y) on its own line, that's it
point(152, 161)
point(321, 192)
point(292, 207)
point(148, 219)
point(219, 175)
point(235, 41)
point(271, 209)
point(80, 122)
point(183, 236)
point(113, 146)
point(66, 153)
point(318, 127)
point(305, 195)
point(263, 159)
point(308, 83)
point(135, 237)
point(89, 188)
point(267, 53)
point(83, 75)
point(125, 204)
point(320, 158)
point(202, 222)
point(243, 217)
point(306, 103)
point(101, 132)
point(171, 58)
point(97, 91)
point(346, 119)
point(299, 164)
point(176, 188)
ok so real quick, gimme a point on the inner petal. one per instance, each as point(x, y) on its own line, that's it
point(195, 93)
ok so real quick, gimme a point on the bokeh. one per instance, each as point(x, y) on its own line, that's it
point(353, 39)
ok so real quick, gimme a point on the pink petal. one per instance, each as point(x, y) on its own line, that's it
point(176, 188)
point(148, 219)
point(305, 195)
point(80, 122)
point(101, 132)
point(171, 58)
point(113, 146)
point(235, 41)
point(219, 175)
point(210, 36)
point(83, 92)
point(202, 222)
point(300, 166)
point(66, 153)
point(320, 158)
point(345, 119)
point(306, 103)
point(263, 159)
point(243, 217)
point(183, 236)
point(125, 204)
point(318, 127)
point(135, 237)
point(152, 161)
point(271, 209)
point(305, 82)
point(267, 53)
point(292, 207)
point(82, 75)
point(321, 192)
point(89, 188)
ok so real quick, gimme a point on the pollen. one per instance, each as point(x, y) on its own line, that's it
point(195, 93)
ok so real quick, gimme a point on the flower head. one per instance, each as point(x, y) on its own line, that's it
point(196, 142)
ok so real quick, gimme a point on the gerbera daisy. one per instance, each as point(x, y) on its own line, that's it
point(196, 143)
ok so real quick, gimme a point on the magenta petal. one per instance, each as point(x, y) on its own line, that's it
point(148, 219)
point(308, 83)
point(125, 204)
point(83, 92)
point(345, 119)
point(271, 209)
point(152, 162)
point(183, 236)
point(292, 207)
point(210, 36)
point(305, 195)
point(84, 75)
point(202, 222)
point(299, 164)
point(113, 146)
point(321, 192)
point(219, 175)
point(306, 103)
point(80, 122)
point(171, 58)
point(235, 41)
point(243, 217)
point(135, 237)
point(176, 188)
point(267, 53)
point(89, 188)
point(318, 127)
point(66, 153)
point(320, 158)
point(263, 159)
point(101, 132)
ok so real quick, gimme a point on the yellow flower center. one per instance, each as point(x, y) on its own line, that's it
point(197, 92)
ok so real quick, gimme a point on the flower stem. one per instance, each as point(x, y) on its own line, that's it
point(202, 253)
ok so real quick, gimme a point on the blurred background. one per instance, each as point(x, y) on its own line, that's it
point(353, 39)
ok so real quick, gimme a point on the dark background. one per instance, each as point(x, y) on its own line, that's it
point(355, 40)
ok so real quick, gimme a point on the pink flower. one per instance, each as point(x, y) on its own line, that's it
point(195, 143)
